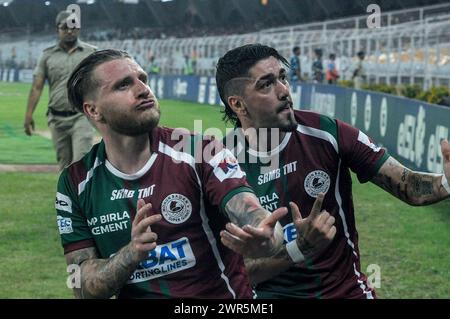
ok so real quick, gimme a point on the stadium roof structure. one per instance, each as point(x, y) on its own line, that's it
point(249, 15)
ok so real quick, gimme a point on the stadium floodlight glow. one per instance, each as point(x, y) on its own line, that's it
point(47, 3)
point(7, 3)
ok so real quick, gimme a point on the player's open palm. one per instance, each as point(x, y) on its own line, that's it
point(315, 232)
point(143, 239)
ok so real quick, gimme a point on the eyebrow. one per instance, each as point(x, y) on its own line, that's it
point(129, 79)
point(271, 76)
point(126, 79)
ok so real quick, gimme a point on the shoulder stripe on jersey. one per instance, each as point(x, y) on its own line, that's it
point(89, 174)
point(135, 176)
point(225, 165)
point(324, 135)
point(338, 197)
point(176, 155)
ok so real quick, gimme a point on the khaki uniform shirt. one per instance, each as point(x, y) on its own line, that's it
point(56, 65)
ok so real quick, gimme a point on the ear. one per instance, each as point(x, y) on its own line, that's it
point(91, 111)
point(237, 105)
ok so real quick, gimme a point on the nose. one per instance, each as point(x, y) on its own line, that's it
point(143, 90)
point(283, 90)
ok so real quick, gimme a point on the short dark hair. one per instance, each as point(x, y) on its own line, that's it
point(81, 81)
point(295, 49)
point(237, 63)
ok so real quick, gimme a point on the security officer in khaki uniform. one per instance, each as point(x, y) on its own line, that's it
point(72, 134)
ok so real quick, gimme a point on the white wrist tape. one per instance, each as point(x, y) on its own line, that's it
point(444, 183)
point(294, 252)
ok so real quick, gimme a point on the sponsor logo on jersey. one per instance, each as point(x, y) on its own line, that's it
point(225, 166)
point(63, 203)
point(176, 208)
point(228, 164)
point(269, 201)
point(165, 259)
point(277, 173)
point(289, 232)
point(317, 182)
point(129, 193)
point(64, 225)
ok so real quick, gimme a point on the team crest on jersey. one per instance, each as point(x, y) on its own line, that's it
point(317, 182)
point(176, 208)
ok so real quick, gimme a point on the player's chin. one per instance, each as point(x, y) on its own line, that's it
point(288, 124)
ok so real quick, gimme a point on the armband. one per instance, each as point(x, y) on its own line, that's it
point(294, 252)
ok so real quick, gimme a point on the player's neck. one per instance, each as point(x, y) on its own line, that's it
point(128, 154)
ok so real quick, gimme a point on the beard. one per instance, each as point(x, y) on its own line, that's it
point(125, 124)
point(288, 124)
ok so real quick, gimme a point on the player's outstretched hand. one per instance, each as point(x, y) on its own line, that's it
point(142, 238)
point(315, 232)
point(255, 242)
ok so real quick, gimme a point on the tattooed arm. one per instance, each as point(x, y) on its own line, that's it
point(245, 209)
point(261, 235)
point(103, 278)
point(414, 188)
point(262, 269)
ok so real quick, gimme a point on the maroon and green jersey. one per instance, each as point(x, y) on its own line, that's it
point(316, 157)
point(96, 204)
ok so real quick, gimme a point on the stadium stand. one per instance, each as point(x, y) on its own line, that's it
point(412, 46)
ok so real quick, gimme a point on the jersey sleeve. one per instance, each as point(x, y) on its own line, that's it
point(73, 226)
point(359, 152)
point(221, 175)
point(41, 69)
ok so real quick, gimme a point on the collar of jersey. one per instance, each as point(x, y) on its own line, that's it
point(273, 152)
point(131, 177)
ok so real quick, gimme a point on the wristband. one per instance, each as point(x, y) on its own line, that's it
point(444, 183)
point(294, 252)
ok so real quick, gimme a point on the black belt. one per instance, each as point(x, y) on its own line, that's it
point(62, 113)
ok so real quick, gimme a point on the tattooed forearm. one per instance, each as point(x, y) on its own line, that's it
point(415, 188)
point(244, 208)
point(421, 185)
point(102, 278)
point(262, 269)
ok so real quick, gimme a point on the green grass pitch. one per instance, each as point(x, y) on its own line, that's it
point(410, 245)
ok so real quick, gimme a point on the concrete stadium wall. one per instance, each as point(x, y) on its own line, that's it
point(411, 130)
